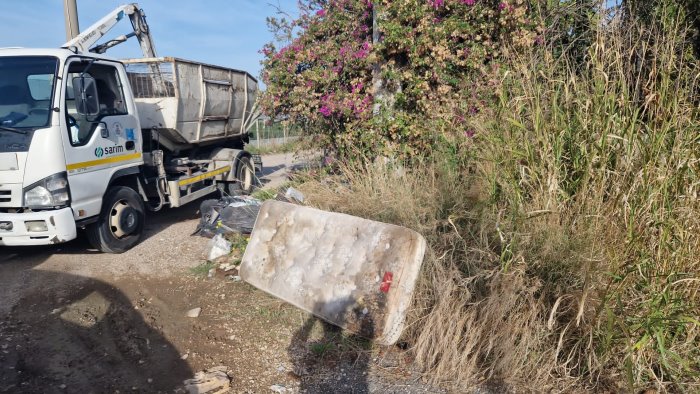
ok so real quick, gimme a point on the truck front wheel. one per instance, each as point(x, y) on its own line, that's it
point(121, 221)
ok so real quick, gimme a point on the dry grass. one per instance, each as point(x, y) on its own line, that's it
point(564, 248)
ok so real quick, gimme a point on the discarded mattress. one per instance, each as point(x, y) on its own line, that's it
point(355, 273)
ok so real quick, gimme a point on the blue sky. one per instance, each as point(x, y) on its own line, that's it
point(223, 32)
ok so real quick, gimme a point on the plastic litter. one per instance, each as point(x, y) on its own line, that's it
point(294, 194)
point(218, 246)
point(227, 215)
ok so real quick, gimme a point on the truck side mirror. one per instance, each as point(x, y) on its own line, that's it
point(85, 93)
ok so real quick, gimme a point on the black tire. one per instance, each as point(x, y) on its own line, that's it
point(245, 177)
point(121, 221)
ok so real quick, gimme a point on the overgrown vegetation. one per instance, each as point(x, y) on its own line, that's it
point(431, 66)
point(563, 225)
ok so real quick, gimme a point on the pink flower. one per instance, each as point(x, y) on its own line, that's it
point(436, 3)
point(321, 13)
point(358, 87)
point(325, 111)
point(502, 6)
point(470, 133)
point(469, 2)
point(361, 54)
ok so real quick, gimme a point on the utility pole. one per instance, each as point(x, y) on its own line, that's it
point(384, 92)
point(70, 12)
point(377, 83)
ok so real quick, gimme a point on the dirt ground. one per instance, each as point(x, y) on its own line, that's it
point(76, 321)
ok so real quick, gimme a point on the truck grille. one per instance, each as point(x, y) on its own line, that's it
point(5, 195)
point(10, 196)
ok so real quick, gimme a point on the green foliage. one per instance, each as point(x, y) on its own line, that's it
point(264, 194)
point(238, 242)
point(202, 269)
point(320, 349)
point(432, 66)
point(608, 151)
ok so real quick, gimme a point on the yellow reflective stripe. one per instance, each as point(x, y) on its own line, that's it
point(202, 177)
point(107, 160)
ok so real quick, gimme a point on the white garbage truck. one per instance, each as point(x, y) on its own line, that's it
point(90, 142)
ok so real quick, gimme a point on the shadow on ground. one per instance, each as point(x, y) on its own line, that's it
point(332, 362)
point(83, 335)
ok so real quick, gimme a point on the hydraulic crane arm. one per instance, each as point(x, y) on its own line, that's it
point(84, 41)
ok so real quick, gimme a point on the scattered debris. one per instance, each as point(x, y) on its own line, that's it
point(278, 388)
point(217, 247)
point(234, 278)
point(215, 380)
point(194, 312)
point(294, 194)
point(227, 215)
point(226, 267)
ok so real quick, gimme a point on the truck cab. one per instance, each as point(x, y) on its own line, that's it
point(87, 143)
point(68, 130)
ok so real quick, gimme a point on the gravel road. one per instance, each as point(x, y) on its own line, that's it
point(74, 320)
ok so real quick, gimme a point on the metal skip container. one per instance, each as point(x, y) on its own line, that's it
point(192, 103)
point(355, 273)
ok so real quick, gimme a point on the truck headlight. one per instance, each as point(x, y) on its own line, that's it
point(48, 192)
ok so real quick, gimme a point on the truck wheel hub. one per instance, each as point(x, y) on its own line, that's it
point(123, 219)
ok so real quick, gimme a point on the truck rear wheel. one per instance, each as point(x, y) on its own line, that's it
point(121, 221)
point(245, 177)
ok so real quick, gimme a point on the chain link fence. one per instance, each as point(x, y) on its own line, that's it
point(266, 134)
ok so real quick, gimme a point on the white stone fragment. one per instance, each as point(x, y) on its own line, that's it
point(194, 312)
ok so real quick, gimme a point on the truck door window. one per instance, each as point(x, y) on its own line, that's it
point(110, 95)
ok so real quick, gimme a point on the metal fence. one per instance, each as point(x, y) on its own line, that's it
point(151, 79)
point(264, 133)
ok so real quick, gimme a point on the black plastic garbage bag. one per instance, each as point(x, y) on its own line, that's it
point(235, 214)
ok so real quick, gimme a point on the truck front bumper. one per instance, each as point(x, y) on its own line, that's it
point(59, 227)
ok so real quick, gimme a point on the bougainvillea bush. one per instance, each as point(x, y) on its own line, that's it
point(431, 65)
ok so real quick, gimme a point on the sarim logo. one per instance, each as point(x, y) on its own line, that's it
point(109, 150)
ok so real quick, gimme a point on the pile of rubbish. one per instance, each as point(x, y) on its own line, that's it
point(230, 214)
point(236, 214)
point(233, 214)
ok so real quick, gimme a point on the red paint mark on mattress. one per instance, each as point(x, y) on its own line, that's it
point(386, 282)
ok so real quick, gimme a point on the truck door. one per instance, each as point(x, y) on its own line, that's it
point(98, 141)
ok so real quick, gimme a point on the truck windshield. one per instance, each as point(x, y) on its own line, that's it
point(26, 91)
